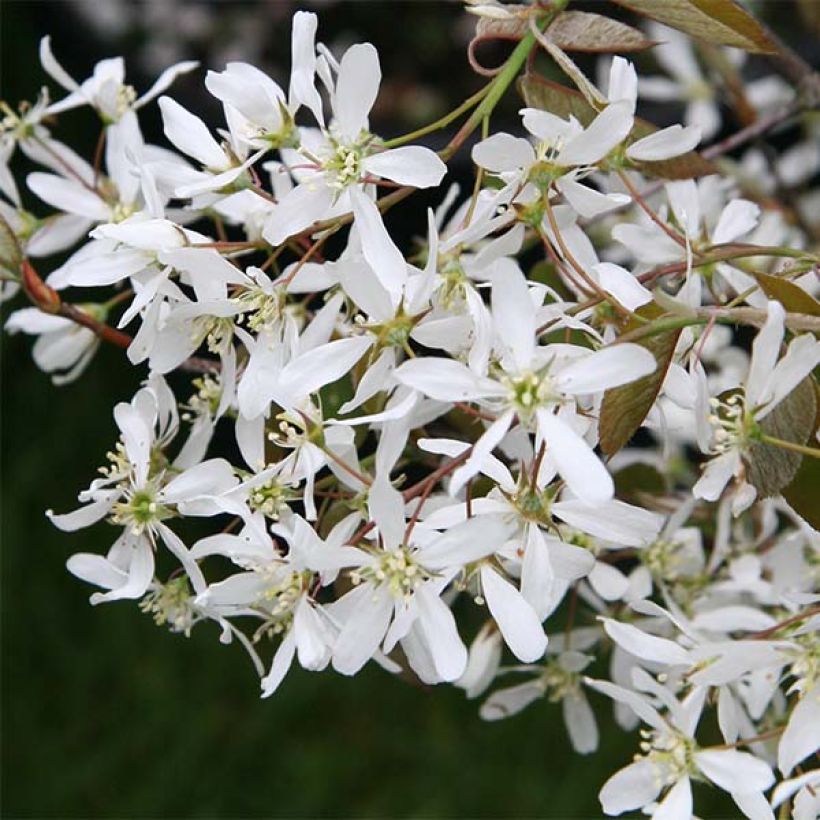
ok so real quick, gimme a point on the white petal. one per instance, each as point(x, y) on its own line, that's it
point(668, 142)
point(765, 352)
point(438, 627)
point(621, 284)
point(446, 380)
point(364, 629)
point(735, 771)
point(537, 575)
point(630, 788)
point(716, 475)
point(466, 542)
point(53, 68)
point(482, 450)
point(190, 134)
point(303, 64)
point(503, 152)
point(307, 203)
point(583, 471)
point(736, 219)
point(755, 806)
point(514, 316)
point(608, 367)
point(378, 247)
point(507, 702)
point(637, 702)
point(606, 131)
point(645, 646)
point(613, 521)
point(608, 581)
point(137, 439)
point(67, 195)
point(516, 619)
point(309, 634)
point(580, 722)
point(321, 366)
point(677, 804)
point(175, 546)
point(211, 477)
point(280, 666)
point(588, 202)
point(356, 88)
point(386, 507)
point(408, 165)
point(802, 735)
point(84, 516)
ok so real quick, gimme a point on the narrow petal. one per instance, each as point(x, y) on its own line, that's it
point(356, 88)
point(606, 131)
point(583, 471)
point(738, 218)
point(666, 143)
point(280, 666)
point(514, 316)
point(364, 629)
point(677, 805)
point(516, 619)
point(735, 771)
point(190, 134)
point(802, 735)
point(378, 247)
point(503, 152)
point(446, 380)
point(621, 284)
point(438, 626)
point(631, 788)
point(67, 195)
point(645, 646)
point(408, 165)
point(608, 367)
point(84, 516)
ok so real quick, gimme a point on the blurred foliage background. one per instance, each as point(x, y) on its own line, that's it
point(103, 714)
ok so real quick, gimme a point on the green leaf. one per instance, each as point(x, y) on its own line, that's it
point(583, 31)
point(770, 468)
point(722, 22)
point(790, 295)
point(624, 408)
point(11, 257)
point(565, 102)
point(801, 493)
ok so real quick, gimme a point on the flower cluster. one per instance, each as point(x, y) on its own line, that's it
point(451, 430)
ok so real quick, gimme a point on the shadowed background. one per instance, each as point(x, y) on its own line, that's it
point(104, 714)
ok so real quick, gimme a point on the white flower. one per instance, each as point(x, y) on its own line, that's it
point(63, 348)
point(735, 422)
point(105, 90)
point(537, 384)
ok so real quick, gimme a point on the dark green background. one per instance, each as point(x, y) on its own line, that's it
point(105, 715)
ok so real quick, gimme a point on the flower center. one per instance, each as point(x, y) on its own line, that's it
point(140, 510)
point(398, 569)
point(171, 604)
point(733, 426)
point(528, 392)
point(344, 166)
point(270, 498)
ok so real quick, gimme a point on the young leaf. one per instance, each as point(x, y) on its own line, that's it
point(565, 102)
point(801, 493)
point(11, 257)
point(723, 22)
point(790, 295)
point(624, 408)
point(583, 31)
point(769, 468)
